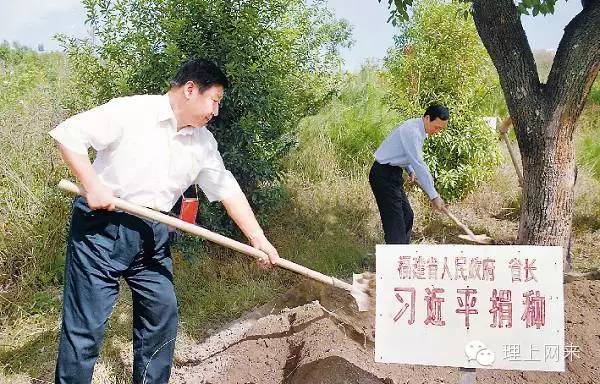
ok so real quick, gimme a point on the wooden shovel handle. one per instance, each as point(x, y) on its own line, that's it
point(204, 233)
point(460, 224)
point(503, 129)
point(513, 158)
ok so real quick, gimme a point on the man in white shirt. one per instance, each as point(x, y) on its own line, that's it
point(150, 148)
point(403, 149)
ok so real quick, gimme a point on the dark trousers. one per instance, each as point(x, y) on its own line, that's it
point(102, 247)
point(394, 208)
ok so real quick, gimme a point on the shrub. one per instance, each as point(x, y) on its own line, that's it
point(594, 97)
point(588, 139)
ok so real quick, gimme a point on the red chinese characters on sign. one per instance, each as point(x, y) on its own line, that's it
point(535, 309)
point(432, 268)
point(404, 267)
point(488, 269)
point(475, 269)
point(434, 306)
point(534, 313)
point(517, 268)
point(405, 305)
point(501, 308)
point(457, 268)
point(467, 268)
point(419, 268)
point(467, 305)
point(460, 268)
point(529, 268)
point(446, 269)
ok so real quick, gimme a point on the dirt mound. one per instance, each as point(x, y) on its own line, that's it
point(328, 342)
point(333, 370)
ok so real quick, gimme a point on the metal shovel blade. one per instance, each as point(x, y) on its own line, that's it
point(479, 239)
point(362, 290)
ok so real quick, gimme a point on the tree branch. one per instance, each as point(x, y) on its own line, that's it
point(576, 64)
point(499, 26)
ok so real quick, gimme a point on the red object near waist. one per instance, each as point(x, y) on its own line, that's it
point(189, 210)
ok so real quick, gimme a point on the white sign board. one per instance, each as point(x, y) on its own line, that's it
point(473, 306)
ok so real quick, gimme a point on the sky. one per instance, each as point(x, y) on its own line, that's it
point(33, 22)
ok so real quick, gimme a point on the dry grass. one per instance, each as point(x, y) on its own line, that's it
point(493, 209)
point(330, 225)
point(586, 222)
point(32, 212)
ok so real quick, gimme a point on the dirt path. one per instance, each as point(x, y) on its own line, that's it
point(326, 342)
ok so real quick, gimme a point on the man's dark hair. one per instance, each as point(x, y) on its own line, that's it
point(204, 73)
point(437, 111)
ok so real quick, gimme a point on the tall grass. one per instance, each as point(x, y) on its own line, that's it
point(594, 97)
point(346, 132)
point(32, 212)
point(315, 227)
point(588, 139)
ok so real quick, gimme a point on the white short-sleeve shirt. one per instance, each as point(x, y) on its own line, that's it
point(142, 157)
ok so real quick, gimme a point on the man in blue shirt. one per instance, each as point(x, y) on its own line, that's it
point(403, 149)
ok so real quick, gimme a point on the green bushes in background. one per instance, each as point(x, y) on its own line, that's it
point(439, 58)
point(588, 139)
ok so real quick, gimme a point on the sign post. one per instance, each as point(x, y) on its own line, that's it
point(467, 376)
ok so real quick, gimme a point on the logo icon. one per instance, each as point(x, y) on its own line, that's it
point(477, 350)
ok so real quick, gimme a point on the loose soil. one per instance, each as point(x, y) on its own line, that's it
point(324, 340)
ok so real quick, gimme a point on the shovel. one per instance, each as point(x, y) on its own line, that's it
point(357, 289)
point(470, 236)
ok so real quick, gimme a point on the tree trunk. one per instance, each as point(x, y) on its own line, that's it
point(547, 195)
point(544, 115)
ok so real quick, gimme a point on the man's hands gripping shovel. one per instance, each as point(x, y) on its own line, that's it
point(439, 205)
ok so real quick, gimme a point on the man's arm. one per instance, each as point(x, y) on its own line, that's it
point(414, 152)
point(219, 184)
point(97, 195)
point(411, 173)
point(93, 128)
point(239, 210)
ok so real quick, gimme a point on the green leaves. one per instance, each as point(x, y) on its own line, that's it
point(544, 7)
point(399, 8)
point(341, 138)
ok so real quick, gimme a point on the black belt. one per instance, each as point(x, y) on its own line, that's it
point(388, 167)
